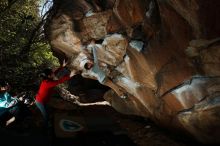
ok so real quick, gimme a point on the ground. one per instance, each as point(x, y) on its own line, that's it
point(104, 126)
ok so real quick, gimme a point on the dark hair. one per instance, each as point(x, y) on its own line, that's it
point(46, 72)
point(3, 83)
point(86, 66)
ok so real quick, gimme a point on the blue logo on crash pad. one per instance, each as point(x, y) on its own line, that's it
point(70, 126)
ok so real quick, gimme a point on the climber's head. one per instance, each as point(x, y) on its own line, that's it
point(4, 86)
point(47, 74)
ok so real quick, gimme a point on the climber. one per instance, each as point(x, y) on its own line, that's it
point(101, 76)
point(46, 89)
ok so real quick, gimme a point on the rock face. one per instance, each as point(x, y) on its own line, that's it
point(164, 55)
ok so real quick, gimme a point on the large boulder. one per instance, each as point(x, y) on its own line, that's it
point(164, 54)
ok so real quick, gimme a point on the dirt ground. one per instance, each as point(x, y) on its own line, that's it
point(141, 131)
point(144, 132)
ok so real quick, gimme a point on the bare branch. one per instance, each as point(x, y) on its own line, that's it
point(66, 95)
point(33, 36)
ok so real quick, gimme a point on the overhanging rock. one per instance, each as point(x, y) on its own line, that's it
point(172, 75)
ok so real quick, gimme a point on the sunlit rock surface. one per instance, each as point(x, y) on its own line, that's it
point(165, 55)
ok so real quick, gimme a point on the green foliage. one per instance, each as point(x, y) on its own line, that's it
point(23, 49)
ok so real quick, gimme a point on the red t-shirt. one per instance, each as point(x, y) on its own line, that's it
point(47, 89)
